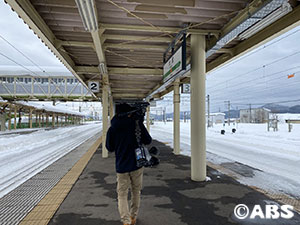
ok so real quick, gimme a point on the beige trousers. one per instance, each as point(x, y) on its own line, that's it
point(132, 180)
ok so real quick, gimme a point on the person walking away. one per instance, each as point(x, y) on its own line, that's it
point(121, 139)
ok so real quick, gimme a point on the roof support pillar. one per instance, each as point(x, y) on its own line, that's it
point(104, 119)
point(36, 119)
point(198, 126)
point(30, 118)
point(176, 119)
point(53, 120)
point(148, 118)
point(15, 117)
point(111, 108)
point(9, 118)
point(2, 118)
point(39, 120)
point(47, 119)
point(20, 118)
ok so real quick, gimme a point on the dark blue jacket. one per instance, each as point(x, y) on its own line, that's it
point(121, 139)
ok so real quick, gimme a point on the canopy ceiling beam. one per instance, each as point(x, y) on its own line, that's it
point(119, 70)
point(132, 89)
point(89, 18)
point(243, 15)
point(87, 69)
point(59, 43)
point(124, 96)
point(135, 46)
point(119, 96)
point(126, 83)
point(277, 28)
point(132, 71)
point(172, 30)
point(136, 38)
point(96, 35)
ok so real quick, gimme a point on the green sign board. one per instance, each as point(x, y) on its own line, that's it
point(173, 65)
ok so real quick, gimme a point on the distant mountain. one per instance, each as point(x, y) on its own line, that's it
point(294, 109)
point(275, 108)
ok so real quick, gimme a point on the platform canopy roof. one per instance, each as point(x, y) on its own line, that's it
point(121, 42)
point(26, 106)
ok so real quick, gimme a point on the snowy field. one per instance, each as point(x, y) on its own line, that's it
point(24, 155)
point(275, 155)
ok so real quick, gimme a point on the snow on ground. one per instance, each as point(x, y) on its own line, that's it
point(22, 156)
point(285, 116)
point(275, 155)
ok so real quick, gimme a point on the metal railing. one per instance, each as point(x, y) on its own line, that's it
point(30, 87)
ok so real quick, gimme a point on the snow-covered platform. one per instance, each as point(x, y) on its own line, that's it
point(23, 190)
point(168, 196)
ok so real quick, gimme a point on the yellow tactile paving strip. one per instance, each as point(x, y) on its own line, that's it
point(46, 208)
point(282, 198)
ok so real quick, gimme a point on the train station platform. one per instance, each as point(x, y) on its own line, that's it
point(168, 196)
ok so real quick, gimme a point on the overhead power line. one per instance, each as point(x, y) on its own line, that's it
point(259, 49)
point(263, 103)
point(256, 69)
point(264, 90)
point(249, 100)
point(19, 64)
point(238, 105)
point(270, 75)
point(239, 88)
point(22, 53)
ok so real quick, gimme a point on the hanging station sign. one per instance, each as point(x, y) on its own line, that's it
point(173, 65)
point(177, 61)
point(94, 86)
point(186, 88)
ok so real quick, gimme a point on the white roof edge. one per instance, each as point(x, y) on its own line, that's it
point(218, 113)
point(49, 108)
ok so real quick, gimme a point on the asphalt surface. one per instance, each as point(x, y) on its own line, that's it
point(168, 196)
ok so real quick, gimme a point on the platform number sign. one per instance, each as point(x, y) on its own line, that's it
point(94, 86)
point(186, 88)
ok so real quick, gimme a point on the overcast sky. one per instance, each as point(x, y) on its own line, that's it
point(13, 29)
point(261, 76)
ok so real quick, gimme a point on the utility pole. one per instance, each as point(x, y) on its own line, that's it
point(250, 117)
point(208, 116)
point(228, 112)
